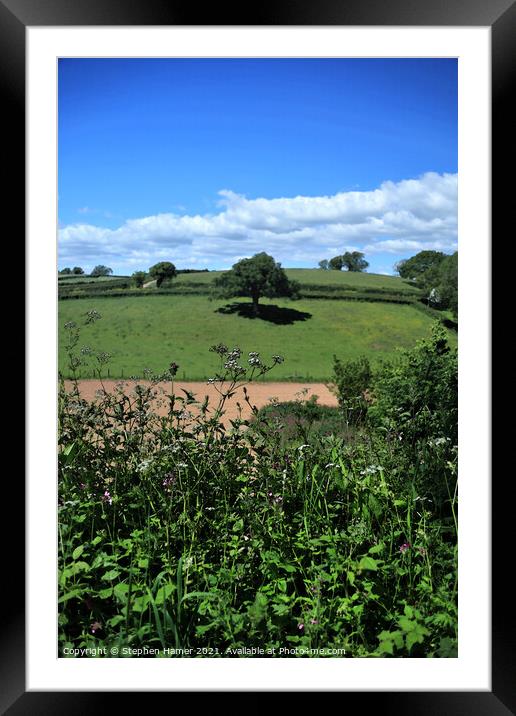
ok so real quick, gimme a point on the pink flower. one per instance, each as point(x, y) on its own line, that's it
point(300, 627)
point(404, 547)
point(106, 497)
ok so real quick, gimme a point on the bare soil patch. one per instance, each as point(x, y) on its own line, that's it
point(260, 394)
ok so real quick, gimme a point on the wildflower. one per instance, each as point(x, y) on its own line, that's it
point(278, 359)
point(301, 626)
point(169, 481)
point(106, 497)
point(404, 547)
point(92, 316)
point(95, 627)
point(187, 563)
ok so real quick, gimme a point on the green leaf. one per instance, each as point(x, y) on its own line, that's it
point(287, 568)
point(413, 637)
point(114, 621)
point(111, 574)
point(377, 548)
point(368, 563)
point(409, 612)
point(386, 647)
point(78, 551)
point(120, 591)
point(164, 592)
point(140, 604)
point(407, 624)
point(70, 595)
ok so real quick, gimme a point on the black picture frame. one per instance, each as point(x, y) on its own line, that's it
point(500, 16)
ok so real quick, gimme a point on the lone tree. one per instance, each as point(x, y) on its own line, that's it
point(351, 260)
point(66, 271)
point(77, 271)
point(162, 271)
point(324, 264)
point(101, 270)
point(258, 276)
point(139, 278)
point(354, 261)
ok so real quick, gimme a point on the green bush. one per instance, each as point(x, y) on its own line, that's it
point(352, 380)
point(416, 406)
point(300, 421)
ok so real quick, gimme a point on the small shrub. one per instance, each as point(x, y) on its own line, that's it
point(352, 381)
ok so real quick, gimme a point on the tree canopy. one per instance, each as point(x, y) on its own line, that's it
point(101, 270)
point(255, 277)
point(354, 261)
point(436, 274)
point(351, 260)
point(423, 262)
point(162, 271)
point(336, 263)
point(139, 278)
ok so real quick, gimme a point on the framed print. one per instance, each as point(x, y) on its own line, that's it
point(86, 82)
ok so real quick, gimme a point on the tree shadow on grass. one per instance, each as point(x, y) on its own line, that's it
point(266, 312)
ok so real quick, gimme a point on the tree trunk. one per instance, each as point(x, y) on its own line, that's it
point(256, 308)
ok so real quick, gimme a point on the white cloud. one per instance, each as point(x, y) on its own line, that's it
point(406, 216)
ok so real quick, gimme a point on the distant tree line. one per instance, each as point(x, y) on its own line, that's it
point(350, 261)
point(99, 270)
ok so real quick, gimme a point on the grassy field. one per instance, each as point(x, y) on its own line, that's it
point(83, 278)
point(319, 277)
point(151, 331)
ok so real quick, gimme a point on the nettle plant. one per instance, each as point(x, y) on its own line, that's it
point(180, 529)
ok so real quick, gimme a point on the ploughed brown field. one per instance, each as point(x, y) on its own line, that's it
point(260, 394)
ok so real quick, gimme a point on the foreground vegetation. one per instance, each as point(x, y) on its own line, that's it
point(178, 537)
point(150, 331)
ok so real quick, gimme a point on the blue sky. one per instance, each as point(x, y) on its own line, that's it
point(205, 161)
